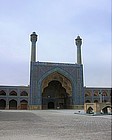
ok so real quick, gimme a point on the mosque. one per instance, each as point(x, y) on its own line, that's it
point(53, 86)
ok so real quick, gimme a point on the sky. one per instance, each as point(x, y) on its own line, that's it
point(57, 23)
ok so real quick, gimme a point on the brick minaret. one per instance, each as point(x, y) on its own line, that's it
point(33, 39)
point(78, 42)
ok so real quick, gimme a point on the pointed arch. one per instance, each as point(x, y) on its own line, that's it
point(24, 104)
point(23, 93)
point(2, 93)
point(89, 110)
point(2, 104)
point(61, 72)
point(88, 93)
point(23, 101)
point(58, 70)
point(13, 93)
point(96, 94)
point(66, 83)
point(57, 94)
point(87, 101)
point(104, 93)
point(106, 109)
point(96, 101)
point(12, 104)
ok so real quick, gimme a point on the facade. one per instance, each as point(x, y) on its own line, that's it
point(52, 86)
point(97, 95)
point(14, 97)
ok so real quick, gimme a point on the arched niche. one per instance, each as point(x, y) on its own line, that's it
point(2, 93)
point(66, 83)
point(13, 93)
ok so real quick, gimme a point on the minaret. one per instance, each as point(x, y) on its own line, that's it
point(78, 42)
point(33, 39)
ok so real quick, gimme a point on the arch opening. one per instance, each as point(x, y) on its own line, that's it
point(2, 104)
point(87, 101)
point(89, 110)
point(96, 101)
point(57, 93)
point(13, 93)
point(13, 104)
point(2, 93)
point(106, 110)
point(51, 105)
point(23, 93)
point(23, 105)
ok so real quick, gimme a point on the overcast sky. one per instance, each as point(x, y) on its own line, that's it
point(57, 23)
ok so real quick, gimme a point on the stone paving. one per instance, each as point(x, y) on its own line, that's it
point(53, 125)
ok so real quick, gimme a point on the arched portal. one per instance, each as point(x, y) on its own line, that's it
point(13, 104)
point(23, 104)
point(2, 104)
point(66, 83)
point(55, 95)
point(107, 110)
point(89, 110)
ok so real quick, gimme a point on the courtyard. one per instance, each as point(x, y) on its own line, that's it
point(54, 125)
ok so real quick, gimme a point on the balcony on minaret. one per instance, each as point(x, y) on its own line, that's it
point(78, 42)
point(33, 39)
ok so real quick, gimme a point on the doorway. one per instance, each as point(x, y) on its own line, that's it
point(13, 104)
point(51, 105)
